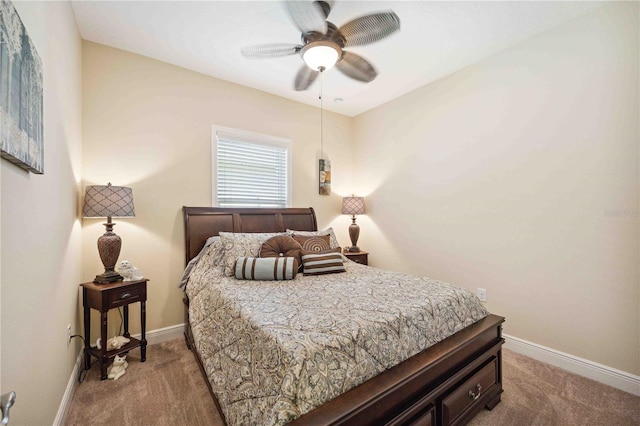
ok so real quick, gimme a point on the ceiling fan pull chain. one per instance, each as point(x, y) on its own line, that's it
point(321, 69)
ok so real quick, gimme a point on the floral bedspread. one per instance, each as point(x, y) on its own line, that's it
point(274, 350)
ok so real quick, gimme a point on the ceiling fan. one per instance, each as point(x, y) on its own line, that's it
point(323, 43)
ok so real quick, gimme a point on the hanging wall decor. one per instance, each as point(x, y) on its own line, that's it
point(324, 166)
point(21, 101)
point(325, 177)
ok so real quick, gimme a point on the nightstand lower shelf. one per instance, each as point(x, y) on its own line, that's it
point(133, 343)
point(104, 297)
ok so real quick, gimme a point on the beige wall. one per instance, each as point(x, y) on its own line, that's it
point(504, 176)
point(147, 124)
point(41, 240)
point(500, 176)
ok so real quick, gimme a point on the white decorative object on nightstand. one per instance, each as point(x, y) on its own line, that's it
point(129, 272)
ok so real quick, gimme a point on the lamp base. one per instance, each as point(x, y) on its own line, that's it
point(354, 233)
point(109, 246)
point(107, 277)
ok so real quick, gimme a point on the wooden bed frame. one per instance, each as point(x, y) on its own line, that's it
point(446, 384)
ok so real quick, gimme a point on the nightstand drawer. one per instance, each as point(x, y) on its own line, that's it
point(361, 257)
point(124, 296)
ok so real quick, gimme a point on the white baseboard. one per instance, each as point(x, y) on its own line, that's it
point(153, 337)
point(163, 334)
point(72, 384)
point(583, 367)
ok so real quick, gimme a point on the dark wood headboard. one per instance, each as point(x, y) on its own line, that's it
point(201, 223)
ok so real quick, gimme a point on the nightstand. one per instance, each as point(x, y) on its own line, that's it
point(104, 297)
point(361, 257)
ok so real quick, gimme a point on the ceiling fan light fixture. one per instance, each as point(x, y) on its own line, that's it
point(321, 54)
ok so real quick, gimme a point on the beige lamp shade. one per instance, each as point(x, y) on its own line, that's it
point(108, 201)
point(353, 205)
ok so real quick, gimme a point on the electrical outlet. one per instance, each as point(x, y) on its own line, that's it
point(482, 294)
point(68, 334)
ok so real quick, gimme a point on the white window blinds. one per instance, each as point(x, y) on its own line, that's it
point(250, 170)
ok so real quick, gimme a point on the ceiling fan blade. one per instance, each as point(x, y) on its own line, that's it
point(326, 6)
point(308, 16)
point(272, 50)
point(369, 28)
point(305, 77)
point(356, 67)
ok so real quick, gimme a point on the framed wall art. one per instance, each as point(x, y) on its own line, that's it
point(325, 177)
point(21, 100)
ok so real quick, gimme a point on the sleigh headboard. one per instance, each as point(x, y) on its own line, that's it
point(201, 223)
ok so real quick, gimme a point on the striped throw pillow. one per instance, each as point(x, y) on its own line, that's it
point(266, 268)
point(326, 262)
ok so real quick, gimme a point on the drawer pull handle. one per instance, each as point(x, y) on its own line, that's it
point(475, 395)
point(125, 295)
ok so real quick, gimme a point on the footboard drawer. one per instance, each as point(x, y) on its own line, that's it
point(422, 413)
point(469, 394)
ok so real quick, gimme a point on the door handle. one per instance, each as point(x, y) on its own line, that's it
point(6, 401)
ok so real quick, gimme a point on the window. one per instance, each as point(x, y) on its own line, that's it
point(250, 170)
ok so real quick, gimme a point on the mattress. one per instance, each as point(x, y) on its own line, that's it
point(274, 350)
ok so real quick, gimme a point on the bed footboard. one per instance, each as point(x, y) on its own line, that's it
point(446, 384)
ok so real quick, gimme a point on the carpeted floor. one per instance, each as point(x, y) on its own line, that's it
point(536, 393)
point(168, 389)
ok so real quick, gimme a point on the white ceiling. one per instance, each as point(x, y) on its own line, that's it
point(436, 38)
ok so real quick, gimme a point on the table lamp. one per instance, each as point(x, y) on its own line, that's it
point(353, 206)
point(108, 201)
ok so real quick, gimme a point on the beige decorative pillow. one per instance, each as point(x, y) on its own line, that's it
point(235, 245)
point(333, 241)
point(313, 243)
